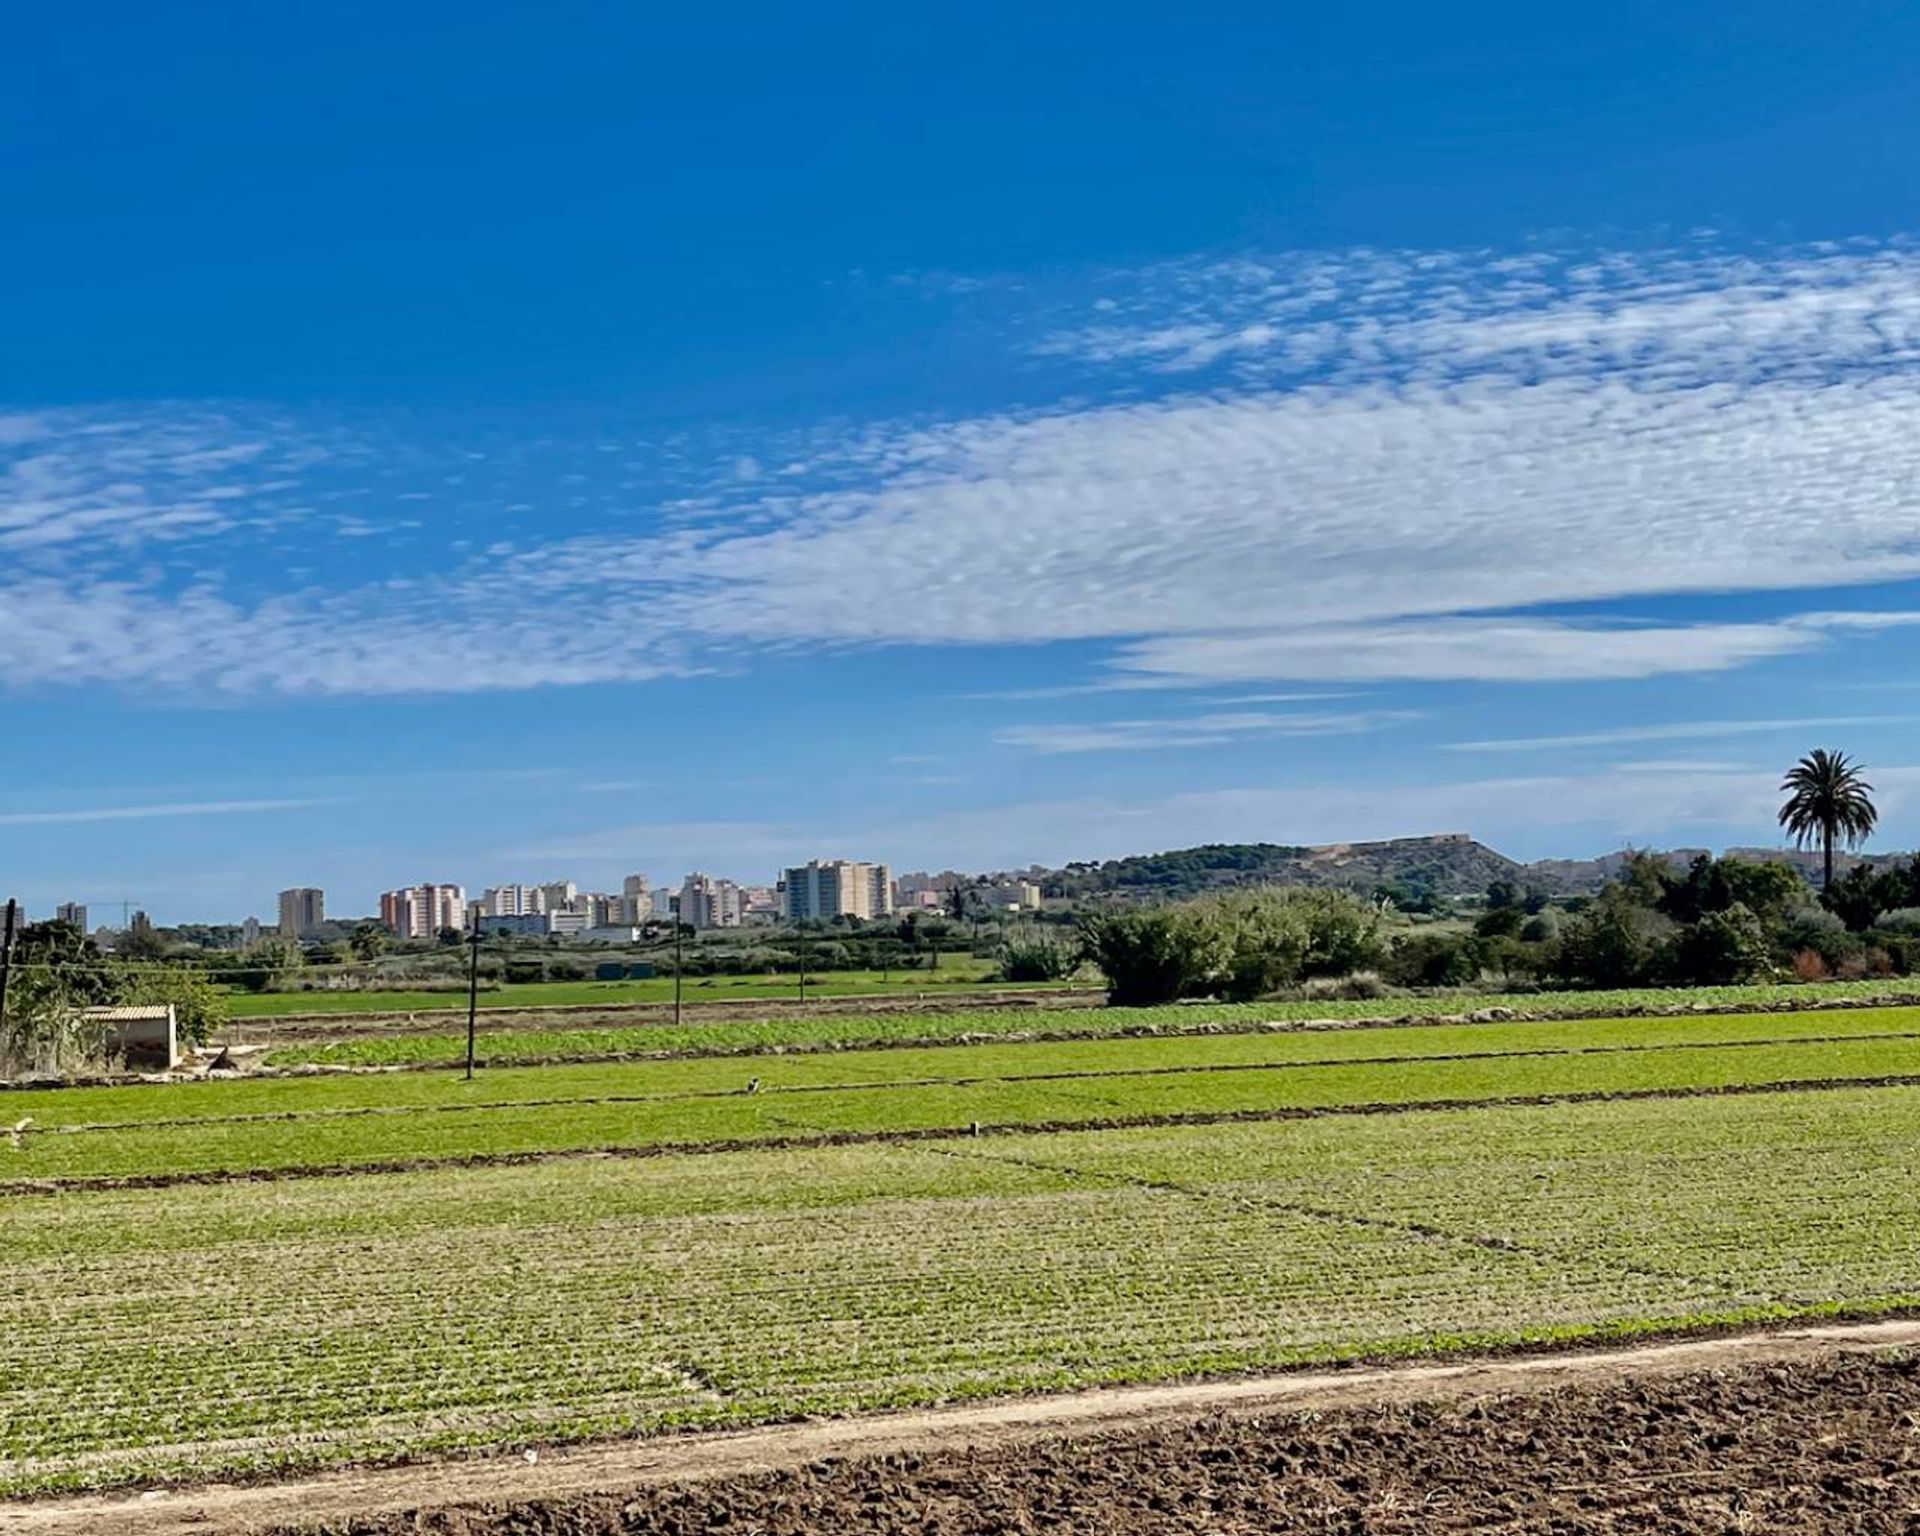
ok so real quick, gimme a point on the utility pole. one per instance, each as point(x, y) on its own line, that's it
point(6, 961)
point(679, 932)
point(800, 944)
point(473, 989)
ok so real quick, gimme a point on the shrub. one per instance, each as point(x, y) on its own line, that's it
point(1503, 922)
point(1434, 960)
point(1543, 928)
point(1900, 920)
point(1153, 956)
point(1810, 965)
point(1721, 948)
point(1036, 954)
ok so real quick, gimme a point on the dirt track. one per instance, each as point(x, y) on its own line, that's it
point(1795, 1430)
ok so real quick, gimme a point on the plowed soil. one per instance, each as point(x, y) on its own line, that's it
point(1808, 1430)
point(1827, 1448)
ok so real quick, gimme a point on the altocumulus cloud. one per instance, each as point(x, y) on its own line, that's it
point(1369, 467)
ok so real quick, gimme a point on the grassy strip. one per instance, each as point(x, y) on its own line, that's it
point(956, 972)
point(309, 1123)
point(311, 1094)
point(165, 1334)
point(739, 1036)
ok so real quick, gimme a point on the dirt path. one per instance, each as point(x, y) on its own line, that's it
point(366, 1496)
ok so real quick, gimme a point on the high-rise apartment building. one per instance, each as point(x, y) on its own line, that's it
point(837, 888)
point(512, 900)
point(302, 910)
point(421, 911)
point(709, 903)
point(558, 895)
point(73, 912)
point(637, 899)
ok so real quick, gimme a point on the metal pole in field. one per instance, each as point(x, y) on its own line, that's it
point(800, 944)
point(6, 961)
point(678, 934)
point(473, 991)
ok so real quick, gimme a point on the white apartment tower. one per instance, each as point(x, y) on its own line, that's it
point(511, 901)
point(421, 911)
point(709, 903)
point(824, 888)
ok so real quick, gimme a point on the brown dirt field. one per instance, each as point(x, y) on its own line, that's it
point(1806, 1430)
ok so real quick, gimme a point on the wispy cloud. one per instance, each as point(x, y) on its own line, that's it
point(1194, 731)
point(151, 812)
point(1683, 730)
point(1402, 446)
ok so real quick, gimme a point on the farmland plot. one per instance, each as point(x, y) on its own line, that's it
point(182, 1330)
point(420, 1117)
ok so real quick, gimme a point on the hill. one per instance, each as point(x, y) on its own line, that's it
point(1447, 864)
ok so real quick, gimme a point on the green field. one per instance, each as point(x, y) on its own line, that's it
point(302, 1122)
point(956, 972)
point(507, 1042)
point(187, 1329)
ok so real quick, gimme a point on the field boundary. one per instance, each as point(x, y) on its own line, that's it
point(1495, 1015)
point(100, 1183)
point(611, 1467)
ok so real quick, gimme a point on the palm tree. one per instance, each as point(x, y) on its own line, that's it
point(1827, 800)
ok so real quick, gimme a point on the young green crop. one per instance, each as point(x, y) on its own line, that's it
point(389, 1118)
point(181, 1332)
point(854, 1030)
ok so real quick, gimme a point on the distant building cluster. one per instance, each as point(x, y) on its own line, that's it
point(821, 890)
point(829, 888)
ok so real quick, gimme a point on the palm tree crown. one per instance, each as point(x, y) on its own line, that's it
point(1827, 802)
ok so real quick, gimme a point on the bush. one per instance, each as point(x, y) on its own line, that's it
point(1238, 944)
point(1613, 942)
point(1810, 965)
point(1504, 922)
point(1899, 920)
point(1721, 948)
point(1035, 954)
point(1434, 960)
point(1153, 956)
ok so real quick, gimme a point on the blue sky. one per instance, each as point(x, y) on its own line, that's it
point(496, 443)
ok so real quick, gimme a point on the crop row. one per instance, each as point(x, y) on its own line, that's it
point(163, 1332)
point(845, 1030)
point(210, 1098)
point(647, 1106)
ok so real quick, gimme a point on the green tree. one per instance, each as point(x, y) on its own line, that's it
point(368, 941)
point(1828, 801)
point(199, 1007)
point(1721, 948)
point(1153, 955)
point(1033, 953)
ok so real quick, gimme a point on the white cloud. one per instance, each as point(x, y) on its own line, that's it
point(1517, 649)
point(151, 812)
point(1682, 730)
point(1460, 436)
point(1194, 731)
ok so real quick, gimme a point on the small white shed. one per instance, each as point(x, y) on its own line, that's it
point(146, 1034)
